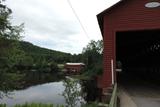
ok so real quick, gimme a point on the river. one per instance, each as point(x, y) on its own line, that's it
point(33, 88)
point(44, 93)
point(39, 87)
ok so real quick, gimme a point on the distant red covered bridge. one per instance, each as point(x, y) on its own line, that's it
point(74, 68)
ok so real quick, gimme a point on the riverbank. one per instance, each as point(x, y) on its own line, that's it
point(46, 105)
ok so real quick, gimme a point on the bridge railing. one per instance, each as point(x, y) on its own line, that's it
point(113, 100)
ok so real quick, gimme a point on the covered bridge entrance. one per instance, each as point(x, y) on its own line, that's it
point(131, 35)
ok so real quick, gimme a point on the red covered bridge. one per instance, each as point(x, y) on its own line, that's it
point(131, 35)
point(74, 68)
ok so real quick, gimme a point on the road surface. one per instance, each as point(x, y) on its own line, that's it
point(137, 92)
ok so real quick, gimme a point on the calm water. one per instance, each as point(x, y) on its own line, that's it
point(44, 93)
point(19, 88)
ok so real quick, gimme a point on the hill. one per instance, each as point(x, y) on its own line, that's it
point(25, 53)
point(37, 52)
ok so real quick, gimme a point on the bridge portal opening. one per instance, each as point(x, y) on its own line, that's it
point(138, 58)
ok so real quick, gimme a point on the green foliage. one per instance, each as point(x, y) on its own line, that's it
point(39, 53)
point(26, 54)
point(77, 58)
point(7, 30)
point(9, 82)
point(2, 105)
point(93, 104)
point(9, 35)
point(95, 46)
point(16, 56)
point(48, 105)
point(72, 92)
point(33, 105)
point(92, 56)
point(11, 54)
point(54, 67)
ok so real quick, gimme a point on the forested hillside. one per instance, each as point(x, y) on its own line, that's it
point(26, 56)
point(48, 55)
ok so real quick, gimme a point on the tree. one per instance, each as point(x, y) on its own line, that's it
point(96, 46)
point(7, 30)
point(92, 56)
point(9, 36)
point(72, 92)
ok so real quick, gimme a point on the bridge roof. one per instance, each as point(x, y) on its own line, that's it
point(101, 15)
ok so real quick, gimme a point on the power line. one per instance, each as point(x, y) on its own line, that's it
point(78, 18)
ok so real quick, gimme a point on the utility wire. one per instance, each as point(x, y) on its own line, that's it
point(78, 18)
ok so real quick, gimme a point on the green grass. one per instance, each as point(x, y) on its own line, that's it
point(81, 77)
point(33, 105)
point(93, 104)
point(46, 105)
point(2, 105)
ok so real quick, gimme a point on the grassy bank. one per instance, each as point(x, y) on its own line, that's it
point(45, 105)
point(80, 77)
point(33, 105)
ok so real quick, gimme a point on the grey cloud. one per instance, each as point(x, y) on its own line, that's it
point(47, 22)
point(46, 25)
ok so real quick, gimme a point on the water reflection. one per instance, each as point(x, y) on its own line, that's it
point(18, 88)
point(46, 93)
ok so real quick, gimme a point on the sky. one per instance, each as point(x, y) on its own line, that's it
point(52, 24)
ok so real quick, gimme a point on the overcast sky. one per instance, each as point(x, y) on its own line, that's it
point(52, 23)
